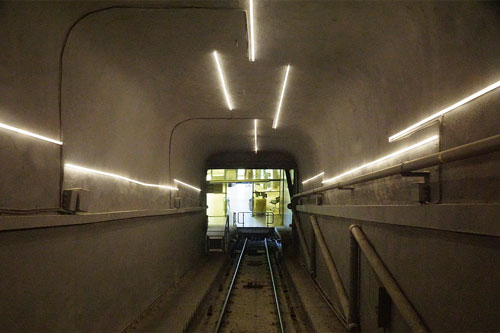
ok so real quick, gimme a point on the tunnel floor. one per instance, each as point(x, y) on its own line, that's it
point(260, 299)
point(239, 292)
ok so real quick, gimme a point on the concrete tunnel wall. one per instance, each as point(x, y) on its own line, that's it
point(359, 73)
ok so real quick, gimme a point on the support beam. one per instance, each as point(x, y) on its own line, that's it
point(330, 264)
point(303, 244)
point(398, 297)
point(477, 219)
point(353, 317)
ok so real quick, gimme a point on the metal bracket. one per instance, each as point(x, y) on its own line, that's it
point(421, 192)
point(424, 174)
point(346, 188)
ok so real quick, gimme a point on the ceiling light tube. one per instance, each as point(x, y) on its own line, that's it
point(255, 135)
point(275, 123)
point(187, 185)
point(83, 169)
point(312, 178)
point(252, 39)
point(33, 135)
point(413, 128)
point(223, 83)
point(399, 152)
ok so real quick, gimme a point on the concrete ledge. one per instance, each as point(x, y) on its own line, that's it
point(175, 309)
point(320, 316)
point(16, 222)
point(480, 219)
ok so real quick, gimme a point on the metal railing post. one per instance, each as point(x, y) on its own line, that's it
point(398, 297)
point(353, 318)
point(303, 244)
point(330, 264)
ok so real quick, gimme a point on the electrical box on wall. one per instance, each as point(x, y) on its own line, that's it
point(76, 200)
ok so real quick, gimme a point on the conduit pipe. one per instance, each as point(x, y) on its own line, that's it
point(472, 149)
point(398, 297)
point(303, 243)
point(330, 264)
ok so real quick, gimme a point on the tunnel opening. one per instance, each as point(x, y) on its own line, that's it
point(249, 197)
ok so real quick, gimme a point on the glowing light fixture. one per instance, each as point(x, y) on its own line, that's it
point(80, 168)
point(33, 135)
point(252, 39)
point(255, 135)
point(312, 178)
point(187, 185)
point(223, 83)
point(427, 120)
point(399, 152)
point(275, 123)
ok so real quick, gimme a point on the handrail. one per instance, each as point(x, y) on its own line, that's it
point(267, 219)
point(468, 150)
point(398, 297)
point(226, 233)
point(243, 219)
point(267, 214)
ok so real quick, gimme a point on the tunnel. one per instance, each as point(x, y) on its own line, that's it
point(249, 166)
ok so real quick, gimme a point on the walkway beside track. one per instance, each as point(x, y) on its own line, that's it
point(315, 307)
point(174, 310)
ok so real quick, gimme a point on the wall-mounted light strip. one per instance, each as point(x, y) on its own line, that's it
point(252, 38)
point(399, 152)
point(413, 128)
point(80, 168)
point(255, 135)
point(275, 123)
point(312, 178)
point(223, 83)
point(187, 185)
point(33, 135)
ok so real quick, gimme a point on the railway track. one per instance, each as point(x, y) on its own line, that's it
point(254, 296)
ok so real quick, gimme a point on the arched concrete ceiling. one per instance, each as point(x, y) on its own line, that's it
point(150, 71)
point(359, 72)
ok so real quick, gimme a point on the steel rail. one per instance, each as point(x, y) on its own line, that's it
point(274, 287)
point(223, 310)
point(476, 148)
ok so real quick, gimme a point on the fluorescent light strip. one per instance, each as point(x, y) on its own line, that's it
point(399, 152)
point(252, 39)
point(221, 76)
point(80, 168)
point(33, 135)
point(255, 135)
point(312, 178)
point(427, 120)
point(275, 124)
point(190, 186)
